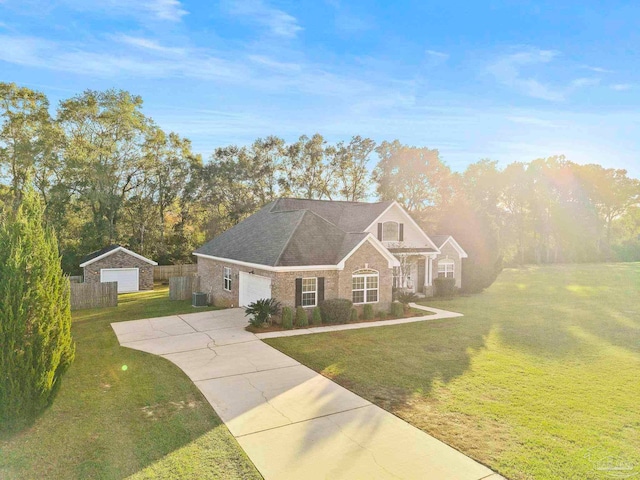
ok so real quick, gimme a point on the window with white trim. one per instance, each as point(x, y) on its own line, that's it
point(226, 275)
point(390, 232)
point(397, 277)
point(365, 286)
point(446, 268)
point(309, 292)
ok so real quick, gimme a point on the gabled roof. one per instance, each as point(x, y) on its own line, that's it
point(111, 249)
point(296, 232)
point(441, 240)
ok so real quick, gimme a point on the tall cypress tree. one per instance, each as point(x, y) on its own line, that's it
point(36, 347)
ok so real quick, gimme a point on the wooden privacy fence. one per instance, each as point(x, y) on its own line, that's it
point(94, 295)
point(165, 272)
point(76, 279)
point(181, 288)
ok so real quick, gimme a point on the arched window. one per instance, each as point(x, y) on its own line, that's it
point(365, 286)
point(390, 232)
point(446, 268)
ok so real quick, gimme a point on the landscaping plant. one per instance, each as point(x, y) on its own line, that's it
point(261, 311)
point(406, 298)
point(397, 310)
point(287, 318)
point(445, 287)
point(367, 312)
point(354, 315)
point(302, 319)
point(36, 348)
point(316, 316)
point(336, 310)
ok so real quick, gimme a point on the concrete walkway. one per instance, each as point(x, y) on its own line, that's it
point(292, 422)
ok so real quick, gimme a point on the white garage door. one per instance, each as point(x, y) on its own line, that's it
point(127, 278)
point(253, 287)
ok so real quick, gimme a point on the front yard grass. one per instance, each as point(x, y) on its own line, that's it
point(121, 412)
point(539, 379)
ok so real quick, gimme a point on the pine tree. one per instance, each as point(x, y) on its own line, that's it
point(36, 347)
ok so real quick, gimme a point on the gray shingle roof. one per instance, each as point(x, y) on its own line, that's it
point(97, 253)
point(296, 232)
point(439, 239)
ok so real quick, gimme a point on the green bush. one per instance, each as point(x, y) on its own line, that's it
point(261, 311)
point(302, 319)
point(287, 318)
point(354, 315)
point(445, 287)
point(316, 316)
point(406, 297)
point(397, 310)
point(336, 310)
point(367, 312)
point(381, 314)
point(36, 347)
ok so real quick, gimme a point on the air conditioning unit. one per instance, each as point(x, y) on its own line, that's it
point(198, 299)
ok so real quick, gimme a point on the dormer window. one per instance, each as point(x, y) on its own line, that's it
point(390, 232)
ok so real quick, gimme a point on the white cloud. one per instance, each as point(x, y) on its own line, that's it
point(585, 82)
point(620, 87)
point(597, 69)
point(148, 44)
point(437, 54)
point(508, 71)
point(278, 22)
point(163, 10)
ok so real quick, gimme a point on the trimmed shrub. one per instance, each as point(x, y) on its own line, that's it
point(397, 310)
point(302, 319)
point(316, 316)
point(261, 311)
point(381, 314)
point(287, 318)
point(336, 310)
point(445, 287)
point(354, 315)
point(367, 312)
point(36, 347)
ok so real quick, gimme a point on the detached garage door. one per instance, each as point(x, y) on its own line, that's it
point(253, 287)
point(127, 278)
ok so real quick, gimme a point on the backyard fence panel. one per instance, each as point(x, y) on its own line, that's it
point(165, 272)
point(181, 288)
point(76, 279)
point(94, 295)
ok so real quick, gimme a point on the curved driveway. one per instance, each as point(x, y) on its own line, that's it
point(292, 422)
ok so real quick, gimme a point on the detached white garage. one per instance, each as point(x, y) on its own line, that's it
point(114, 263)
point(253, 287)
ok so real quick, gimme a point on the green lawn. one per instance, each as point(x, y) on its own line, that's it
point(111, 422)
point(540, 379)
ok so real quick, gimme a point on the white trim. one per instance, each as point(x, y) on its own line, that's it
point(413, 222)
point(267, 268)
point(315, 293)
point(119, 249)
point(123, 269)
point(455, 245)
point(393, 261)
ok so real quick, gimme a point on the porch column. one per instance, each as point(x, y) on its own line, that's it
point(429, 271)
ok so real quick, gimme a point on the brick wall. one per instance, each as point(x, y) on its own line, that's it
point(121, 259)
point(337, 284)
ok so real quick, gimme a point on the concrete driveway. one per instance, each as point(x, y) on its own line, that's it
point(292, 422)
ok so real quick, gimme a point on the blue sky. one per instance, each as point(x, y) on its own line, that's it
point(504, 79)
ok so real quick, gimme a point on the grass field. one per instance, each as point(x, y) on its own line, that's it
point(540, 378)
point(109, 422)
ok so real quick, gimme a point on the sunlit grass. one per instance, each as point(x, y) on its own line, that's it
point(540, 379)
point(121, 411)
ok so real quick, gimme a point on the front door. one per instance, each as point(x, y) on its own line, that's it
point(421, 275)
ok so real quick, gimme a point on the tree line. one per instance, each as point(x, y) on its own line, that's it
point(106, 173)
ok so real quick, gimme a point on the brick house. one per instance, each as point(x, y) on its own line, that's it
point(301, 252)
point(114, 263)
